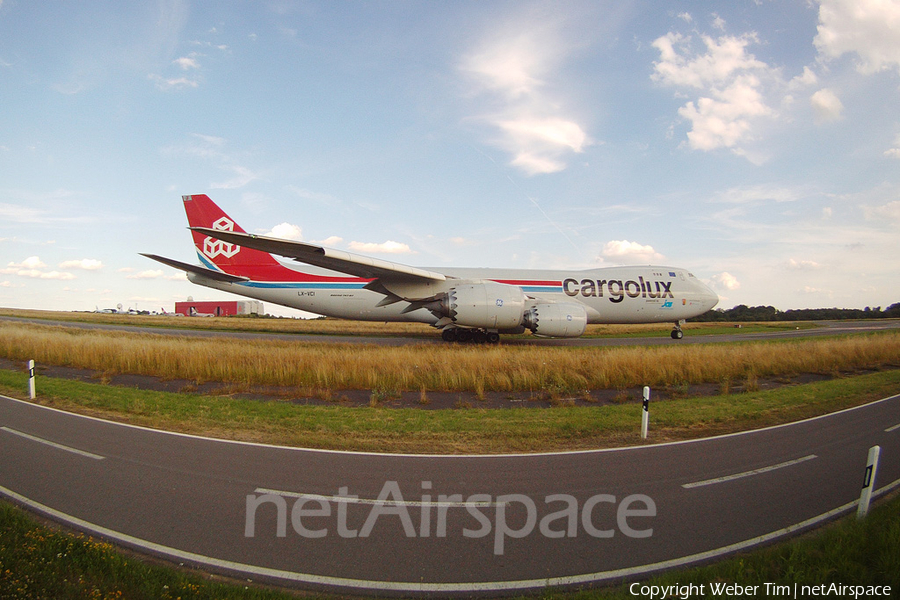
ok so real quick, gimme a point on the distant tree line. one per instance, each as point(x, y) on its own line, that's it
point(770, 313)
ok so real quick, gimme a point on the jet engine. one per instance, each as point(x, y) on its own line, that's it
point(489, 305)
point(550, 319)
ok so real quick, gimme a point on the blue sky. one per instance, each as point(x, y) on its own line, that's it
point(756, 143)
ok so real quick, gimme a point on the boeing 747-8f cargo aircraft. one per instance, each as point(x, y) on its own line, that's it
point(466, 304)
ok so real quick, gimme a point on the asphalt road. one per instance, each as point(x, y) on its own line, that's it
point(453, 524)
point(825, 328)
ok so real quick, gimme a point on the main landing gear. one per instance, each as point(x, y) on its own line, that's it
point(465, 335)
point(677, 333)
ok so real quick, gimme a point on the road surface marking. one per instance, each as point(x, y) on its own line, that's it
point(453, 456)
point(748, 473)
point(352, 500)
point(53, 444)
point(890, 429)
point(423, 586)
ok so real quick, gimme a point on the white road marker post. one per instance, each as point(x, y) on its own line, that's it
point(31, 379)
point(865, 495)
point(645, 414)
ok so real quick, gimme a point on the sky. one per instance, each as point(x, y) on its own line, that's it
point(755, 143)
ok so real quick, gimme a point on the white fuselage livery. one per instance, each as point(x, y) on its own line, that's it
point(609, 295)
point(466, 304)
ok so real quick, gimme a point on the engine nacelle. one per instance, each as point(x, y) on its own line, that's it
point(489, 305)
point(552, 319)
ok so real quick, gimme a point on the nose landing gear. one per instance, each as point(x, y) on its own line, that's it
point(677, 333)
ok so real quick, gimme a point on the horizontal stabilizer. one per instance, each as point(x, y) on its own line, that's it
point(327, 258)
point(196, 269)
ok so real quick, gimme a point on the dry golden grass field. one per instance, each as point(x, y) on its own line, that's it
point(335, 366)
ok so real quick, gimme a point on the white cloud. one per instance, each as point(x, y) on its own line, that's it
point(868, 28)
point(549, 132)
point(760, 194)
point(215, 150)
point(32, 262)
point(187, 62)
point(806, 289)
point(718, 22)
point(725, 281)
point(729, 83)
point(88, 264)
point(725, 57)
point(212, 140)
point(807, 78)
point(388, 247)
point(330, 241)
point(35, 274)
point(802, 265)
point(243, 176)
point(164, 83)
point(890, 211)
point(149, 274)
point(29, 208)
point(895, 151)
point(534, 164)
point(728, 80)
point(630, 252)
point(310, 195)
point(509, 66)
point(513, 72)
point(722, 121)
point(286, 231)
point(826, 105)
point(32, 267)
point(21, 214)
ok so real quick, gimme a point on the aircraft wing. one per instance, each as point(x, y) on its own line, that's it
point(327, 258)
point(209, 273)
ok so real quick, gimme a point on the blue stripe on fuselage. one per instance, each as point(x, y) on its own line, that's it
point(303, 285)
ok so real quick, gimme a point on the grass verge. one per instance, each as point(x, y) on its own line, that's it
point(39, 562)
point(441, 368)
point(471, 430)
point(329, 326)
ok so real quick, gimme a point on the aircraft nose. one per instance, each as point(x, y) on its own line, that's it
point(708, 297)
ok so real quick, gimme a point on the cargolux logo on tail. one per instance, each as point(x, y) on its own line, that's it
point(213, 247)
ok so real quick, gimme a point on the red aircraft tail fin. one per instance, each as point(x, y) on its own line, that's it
point(230, 258)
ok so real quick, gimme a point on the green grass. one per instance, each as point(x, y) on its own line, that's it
point(850, 552)
point(471, 430)
point(38, 562)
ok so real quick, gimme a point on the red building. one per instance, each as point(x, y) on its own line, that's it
point(219, 308)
